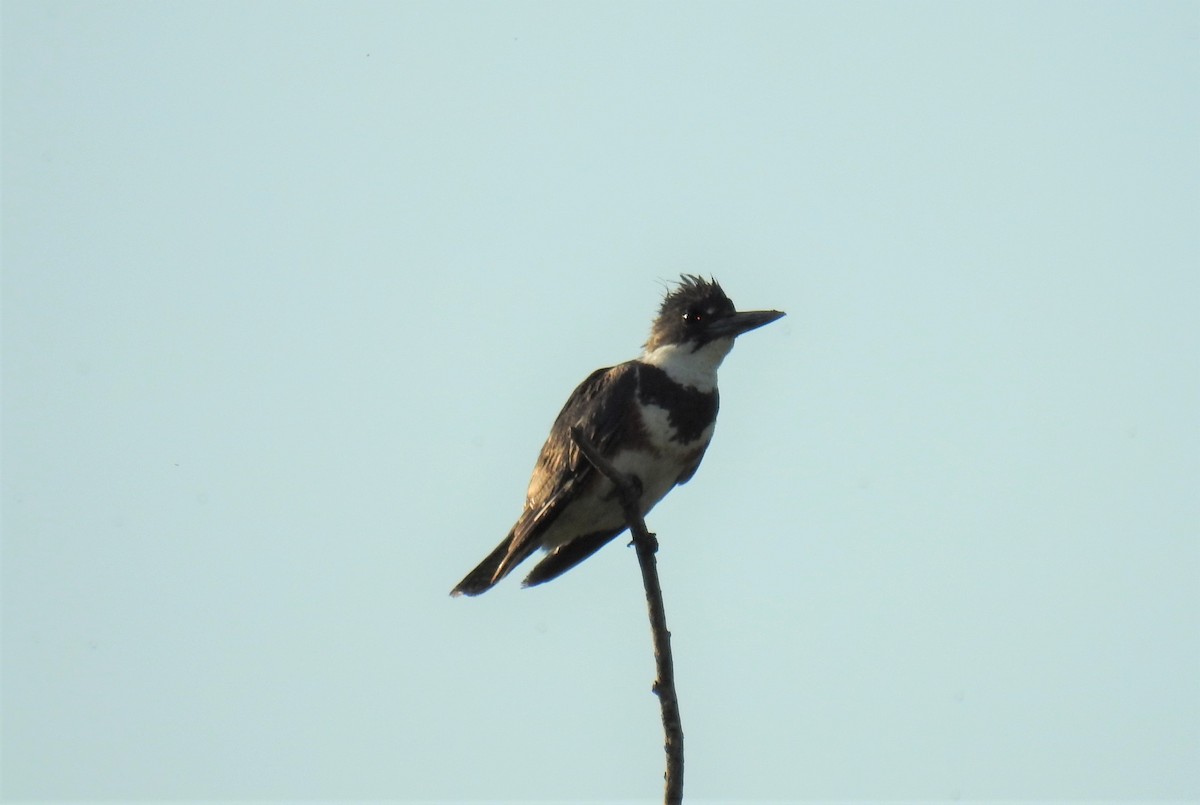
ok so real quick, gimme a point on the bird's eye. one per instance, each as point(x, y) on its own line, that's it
point(693, 317)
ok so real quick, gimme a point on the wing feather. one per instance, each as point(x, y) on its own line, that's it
point(602, 407)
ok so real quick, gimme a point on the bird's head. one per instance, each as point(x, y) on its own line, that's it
point(697, 312)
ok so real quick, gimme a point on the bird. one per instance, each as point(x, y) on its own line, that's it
point(652, 417)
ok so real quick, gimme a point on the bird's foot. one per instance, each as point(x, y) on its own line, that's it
point(653, 544)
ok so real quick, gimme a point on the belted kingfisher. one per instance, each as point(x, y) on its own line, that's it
point(653, 417)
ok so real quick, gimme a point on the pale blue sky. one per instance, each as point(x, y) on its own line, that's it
point(292, 292)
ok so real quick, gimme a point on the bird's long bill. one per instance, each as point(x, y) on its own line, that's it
point(743, 322)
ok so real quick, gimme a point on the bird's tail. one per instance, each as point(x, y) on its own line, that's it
point(498, 564)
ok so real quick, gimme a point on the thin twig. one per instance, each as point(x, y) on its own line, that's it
point(646, 544)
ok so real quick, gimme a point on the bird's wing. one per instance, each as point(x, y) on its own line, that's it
point(603, 408)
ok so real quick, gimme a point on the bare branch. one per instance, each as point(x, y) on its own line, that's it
point(628, 489)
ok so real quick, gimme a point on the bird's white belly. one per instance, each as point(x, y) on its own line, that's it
point(599, 508)
point(595, 510)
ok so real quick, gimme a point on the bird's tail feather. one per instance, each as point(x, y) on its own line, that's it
point(565, 557)
point(498, 564)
